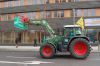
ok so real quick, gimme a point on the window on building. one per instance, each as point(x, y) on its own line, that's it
point(35, 2)
point(51, 1)
point(17, 3)
point(48, 14)
point(42, 15)
point(55, 14)
point(68, 0)
point(77, 0)
point(6, 17)
point(10, 4)
point(93, 12)
point(5, 4)
point(63, 1)
point(1, 4)
point(60, 14)
point(25, 2)
point(86, 0)
point(3, 17)
point(33, 15)
point(47, 1)
point(97, 12)
point(42, 1)
point(90, 12)
point(91, 0)
point(85, 12)
point(37, 16)
point(78, 12)
point(12, 16)
point(21, 2)
point(57, 1)
point(67, 13)
point(39, 1)
point(9, 18)
point(0, 18)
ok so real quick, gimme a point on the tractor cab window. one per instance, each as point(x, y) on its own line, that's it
point(68, 32)
point(78, 31)
point(71, 31)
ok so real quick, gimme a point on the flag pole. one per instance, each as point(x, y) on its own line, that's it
point(74, 18)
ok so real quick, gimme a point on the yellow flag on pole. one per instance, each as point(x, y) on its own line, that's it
point(80, 22)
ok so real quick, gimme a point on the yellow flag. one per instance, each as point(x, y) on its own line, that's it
point(80, 22)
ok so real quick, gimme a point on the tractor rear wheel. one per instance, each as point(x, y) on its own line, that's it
point(47, 51)
point(79, 48)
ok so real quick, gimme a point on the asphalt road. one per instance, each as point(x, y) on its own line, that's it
point(33, 59)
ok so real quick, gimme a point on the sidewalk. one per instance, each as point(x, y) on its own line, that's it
point(95, 49)
point(31, 48)
point(20, 48)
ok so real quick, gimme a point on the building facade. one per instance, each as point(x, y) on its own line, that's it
point(56, 12)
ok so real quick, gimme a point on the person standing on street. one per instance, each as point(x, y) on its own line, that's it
point(18, 39)
point(35, 42)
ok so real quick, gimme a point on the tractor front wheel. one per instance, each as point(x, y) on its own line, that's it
point(47, 51)
point(79, 48)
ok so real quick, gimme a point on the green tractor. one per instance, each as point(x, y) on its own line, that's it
point(71, 41)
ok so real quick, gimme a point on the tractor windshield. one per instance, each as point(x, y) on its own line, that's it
point(72, 31)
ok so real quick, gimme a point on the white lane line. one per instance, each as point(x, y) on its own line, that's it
point(25, 62)
point(95, 59)
point(35, 62)
point(19, 57)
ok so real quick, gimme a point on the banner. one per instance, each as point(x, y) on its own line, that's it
point(92, 22)
point(19, 24)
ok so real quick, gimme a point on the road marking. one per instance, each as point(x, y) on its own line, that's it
point(36, 62)
point(94, 59)
point(19, 57)
point(25, 62)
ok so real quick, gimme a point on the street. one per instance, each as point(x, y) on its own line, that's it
point(32, 58)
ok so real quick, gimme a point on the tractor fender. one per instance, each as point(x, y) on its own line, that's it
point(75, 38)
point(78, 37)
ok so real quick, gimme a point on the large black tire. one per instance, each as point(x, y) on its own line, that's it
point(79, 48)
point(47, 51)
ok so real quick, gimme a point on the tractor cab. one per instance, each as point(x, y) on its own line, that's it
point(71, 31)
